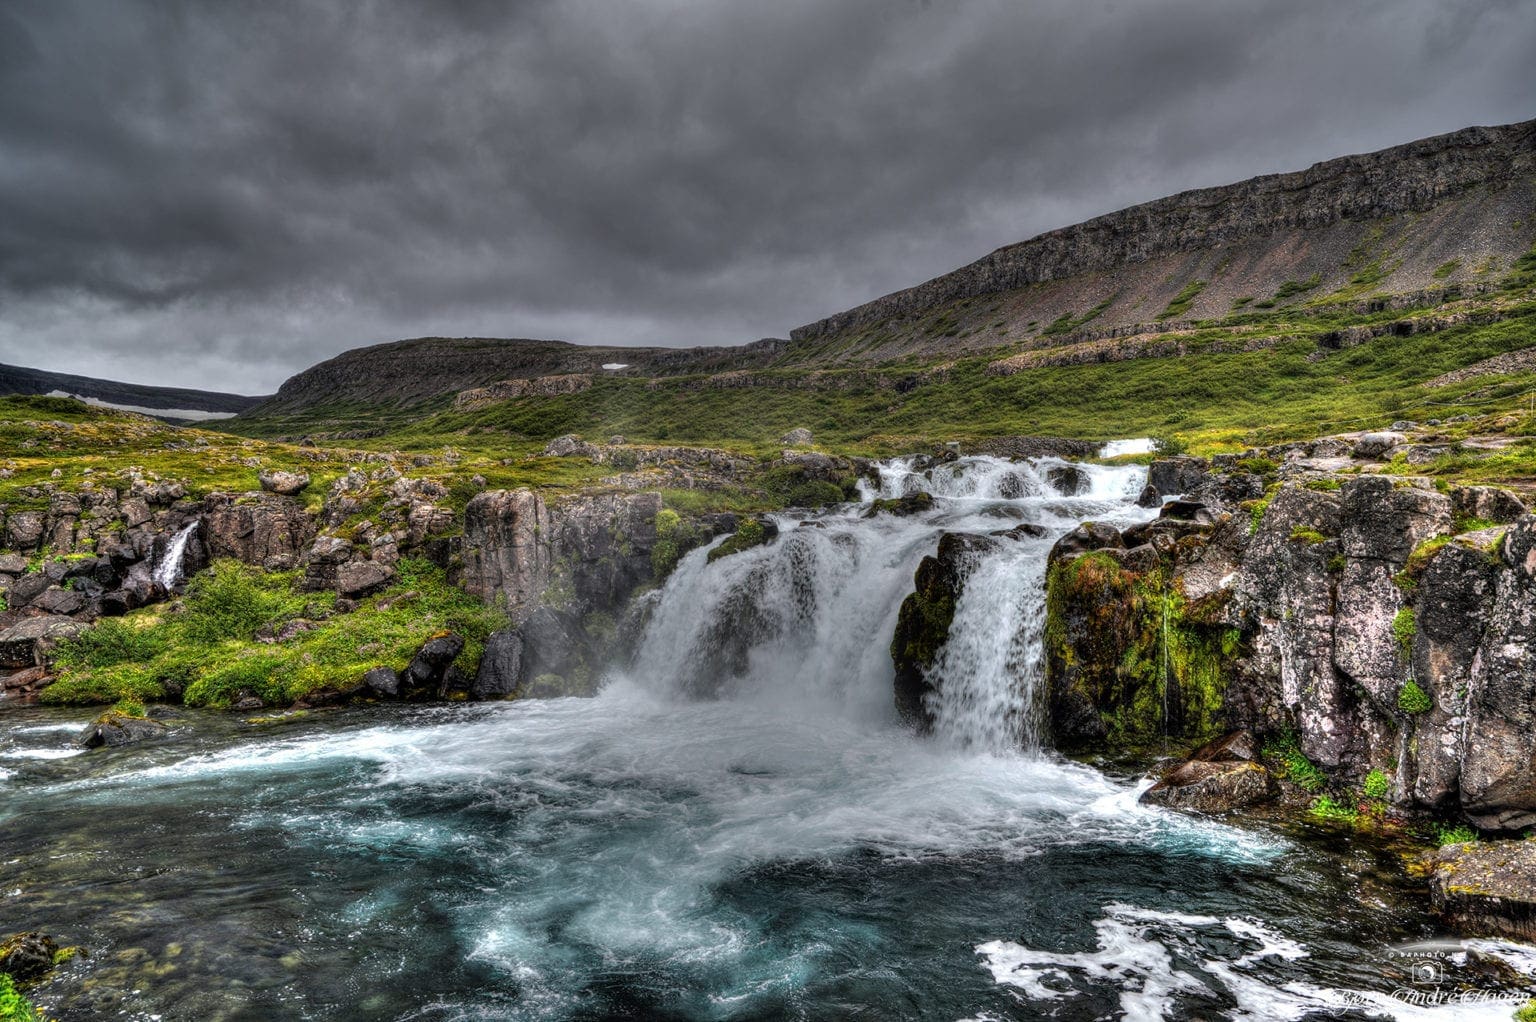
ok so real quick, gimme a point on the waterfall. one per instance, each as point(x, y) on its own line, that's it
point(804, 623)
point(168, 570)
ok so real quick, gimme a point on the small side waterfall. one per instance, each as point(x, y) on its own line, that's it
point(168, 570)
point(807, 620)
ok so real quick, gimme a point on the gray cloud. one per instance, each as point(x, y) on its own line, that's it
point(217, 195)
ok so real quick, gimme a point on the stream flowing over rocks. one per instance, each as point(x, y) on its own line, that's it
point(816, 772)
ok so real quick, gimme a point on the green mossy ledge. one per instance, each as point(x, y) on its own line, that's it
point(1130, 663)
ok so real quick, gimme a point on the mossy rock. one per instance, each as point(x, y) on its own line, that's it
point(752, 532)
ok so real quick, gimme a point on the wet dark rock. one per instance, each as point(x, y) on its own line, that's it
point(1024, 530)
point(901, 507)
point(922, 625)
point(1149, 497)
point(1067, 480)
point(501, 666)
point(431, 662)
point(27, 957)
point(383, 683)
point(115, 730)
point(1086, 537)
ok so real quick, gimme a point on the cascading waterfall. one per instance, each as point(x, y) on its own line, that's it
point(808, 618)
point(737, 829)
point(168, 569)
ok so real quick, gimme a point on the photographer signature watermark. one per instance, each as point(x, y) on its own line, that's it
point(1434, 974)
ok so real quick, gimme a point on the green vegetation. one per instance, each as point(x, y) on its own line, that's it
point(1526, 1012)
point(1152, 662)
point(1326, 808)
point(1453, 834)
point(13, 1006)
point(1291, 764)
point(1412, 699)
point(1403, 629)
point(751, 532)
point(1066, 323)
point(1292, 288)
point(1447, 268)
point(1301, 534)
point(1181, 302)
point(209, 654)
point(1377, 784)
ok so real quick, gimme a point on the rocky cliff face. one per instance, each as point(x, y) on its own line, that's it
point(1405, 212)
point(1355, 615)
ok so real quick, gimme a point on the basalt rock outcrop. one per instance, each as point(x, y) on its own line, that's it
point(1349, 616)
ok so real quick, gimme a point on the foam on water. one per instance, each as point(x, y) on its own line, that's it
point(1161, 964)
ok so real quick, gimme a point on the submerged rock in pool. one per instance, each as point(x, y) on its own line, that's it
point(115, 730)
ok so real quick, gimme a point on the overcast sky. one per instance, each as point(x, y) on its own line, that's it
point(217, 195)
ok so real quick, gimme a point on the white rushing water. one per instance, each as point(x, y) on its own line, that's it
point(807, 618)
point(168, 571)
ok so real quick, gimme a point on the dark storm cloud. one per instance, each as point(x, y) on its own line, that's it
point(220, 194)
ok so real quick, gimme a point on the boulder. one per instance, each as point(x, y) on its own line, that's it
point(571, 445)
point(285, 484)
point(1386, 521)
point(1087, 536)
point(1205, 787)
point(269, 530)
point(1489, 503)
point(1169, 476)
point(1150, 497)
point(26, 643)
point(58, 600)
point(1378, 446)
point(115, 730)
point(797, 437)
point(431, 662)
point(501, 666)
point(24, 530)
point(901, 507)
point(1067, 480)
point(26, 589)
point(12, 564)
point(509, 548)
point(357, 579)
point(1486, 888)
point(383, 683)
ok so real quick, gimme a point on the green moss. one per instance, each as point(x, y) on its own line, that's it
point(1291, 288)
point(750, 532)
point(1066, 322)
point(1302, 534)
point(1377, 785)
point(1403, 629)
point(1447, 268)
point(1132, 647)
point(1412, 699)
point(1256, 509)
point(675, 536)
